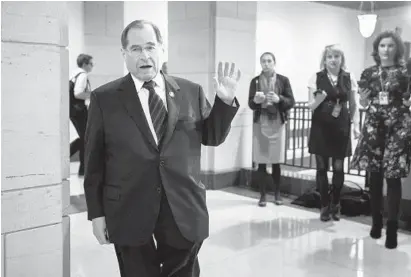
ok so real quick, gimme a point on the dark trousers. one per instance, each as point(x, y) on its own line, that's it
point(275, 173)
point(174, 256)
point(79, 120)
point(394, 194)
point(322, 179)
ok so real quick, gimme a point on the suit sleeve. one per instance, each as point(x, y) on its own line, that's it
point(287, 98)
point(216, 123)
point(251, 93)
point(94, 160)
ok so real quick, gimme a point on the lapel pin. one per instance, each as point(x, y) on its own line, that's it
point(171, 94)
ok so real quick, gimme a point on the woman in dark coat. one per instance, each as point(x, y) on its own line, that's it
point(270, 97)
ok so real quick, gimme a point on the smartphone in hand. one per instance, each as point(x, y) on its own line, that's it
point(318, 91)
point(363, 84)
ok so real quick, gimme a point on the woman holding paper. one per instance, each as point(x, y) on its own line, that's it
point(270, 97)
point(334, 102)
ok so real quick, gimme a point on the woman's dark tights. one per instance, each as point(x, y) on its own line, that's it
point(275, 173)
point(322, 179)
point(394, 194)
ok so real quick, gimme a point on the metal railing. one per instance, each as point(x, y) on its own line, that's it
point(297, 134)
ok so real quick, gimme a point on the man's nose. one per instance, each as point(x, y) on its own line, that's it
point(144, 54)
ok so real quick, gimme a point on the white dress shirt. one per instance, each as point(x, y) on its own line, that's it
point(143, 95)
point(82, 88)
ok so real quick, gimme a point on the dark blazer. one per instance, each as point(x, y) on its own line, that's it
point(125, 171)
point(286, 98)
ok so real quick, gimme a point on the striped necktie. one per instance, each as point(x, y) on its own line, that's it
point(158, 111)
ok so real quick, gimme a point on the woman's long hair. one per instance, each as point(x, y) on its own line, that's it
point(399, 55)
point(333, 48)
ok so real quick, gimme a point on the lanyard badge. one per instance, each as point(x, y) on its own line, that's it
point(383, 95)
point(337, 109)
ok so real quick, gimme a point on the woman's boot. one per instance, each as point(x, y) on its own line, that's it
point(277, 199)
point(276, 174)
point(377, 224)
point(263, 185)
point(323, 186)
point(391, 239)
point(376, 185)
point(394, 194)
point(263, 201)
point(335, 208)
point(335, 211)
point(277, 195)
point(325, 214)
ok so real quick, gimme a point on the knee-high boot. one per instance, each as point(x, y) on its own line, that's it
point(276, 175)
point(262, 182)
point(394, 193)
point(391, 241)
point(376, 186)
point(263, 198)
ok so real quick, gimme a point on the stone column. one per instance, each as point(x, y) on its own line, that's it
point(35, 144)
point(200, 35)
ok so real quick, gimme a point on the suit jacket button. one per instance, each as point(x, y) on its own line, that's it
point(162, 163)
point(159, 190)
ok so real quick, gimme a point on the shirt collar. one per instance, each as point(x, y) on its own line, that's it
point(158, 80)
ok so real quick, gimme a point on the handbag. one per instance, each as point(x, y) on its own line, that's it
point(355, 201)
point(310, 199)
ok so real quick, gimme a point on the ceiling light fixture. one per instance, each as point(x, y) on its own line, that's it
point(367, 21)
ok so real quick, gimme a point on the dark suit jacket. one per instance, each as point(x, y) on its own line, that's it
point(286, 98)
point(125, 171)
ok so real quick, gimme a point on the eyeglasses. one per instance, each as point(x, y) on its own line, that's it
point(136, 50)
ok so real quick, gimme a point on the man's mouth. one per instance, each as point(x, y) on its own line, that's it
point(145, 66)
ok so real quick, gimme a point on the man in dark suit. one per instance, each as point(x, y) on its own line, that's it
point(143, 146)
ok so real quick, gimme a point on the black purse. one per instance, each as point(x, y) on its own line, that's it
point(355, 201)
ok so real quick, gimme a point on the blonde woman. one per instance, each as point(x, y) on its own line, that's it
point(334, 102)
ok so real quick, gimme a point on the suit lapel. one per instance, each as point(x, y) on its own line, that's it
point(173, 96)
point(128, 96)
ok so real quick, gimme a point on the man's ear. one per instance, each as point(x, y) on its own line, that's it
point(162, 52)
point(123, 52)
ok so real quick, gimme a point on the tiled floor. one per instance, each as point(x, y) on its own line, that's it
point(248, 241)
